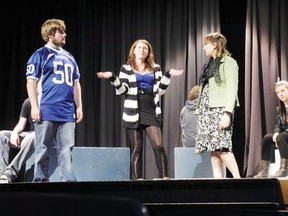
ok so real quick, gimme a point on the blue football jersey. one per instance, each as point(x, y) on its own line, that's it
point(55, 72)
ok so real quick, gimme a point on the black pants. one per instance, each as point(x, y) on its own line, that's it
point(268, 145)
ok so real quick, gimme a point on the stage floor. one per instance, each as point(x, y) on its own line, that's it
point(284, 189)
point(171, 195)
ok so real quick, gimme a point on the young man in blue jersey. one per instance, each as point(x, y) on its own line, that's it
point(56, 105)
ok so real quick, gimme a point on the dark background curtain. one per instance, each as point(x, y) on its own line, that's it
point(99, 35)
point(265, 60)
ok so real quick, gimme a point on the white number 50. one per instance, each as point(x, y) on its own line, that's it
point(65, 76)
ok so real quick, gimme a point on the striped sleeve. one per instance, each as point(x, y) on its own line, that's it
point(164, 81)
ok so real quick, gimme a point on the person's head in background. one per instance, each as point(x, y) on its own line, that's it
point(194, 93)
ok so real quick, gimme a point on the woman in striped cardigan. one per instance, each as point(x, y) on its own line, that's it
point(142, 82)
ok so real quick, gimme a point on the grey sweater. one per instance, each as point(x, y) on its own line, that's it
point(188, 122)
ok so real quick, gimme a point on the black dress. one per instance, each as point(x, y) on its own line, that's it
point(146, 105)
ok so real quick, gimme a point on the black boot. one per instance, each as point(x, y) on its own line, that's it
point(264, 169)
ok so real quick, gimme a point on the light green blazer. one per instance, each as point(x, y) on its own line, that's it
point(226, 94)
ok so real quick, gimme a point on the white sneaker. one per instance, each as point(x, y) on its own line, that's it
point(4, 179)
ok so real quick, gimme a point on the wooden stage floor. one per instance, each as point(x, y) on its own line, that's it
point(284, 189)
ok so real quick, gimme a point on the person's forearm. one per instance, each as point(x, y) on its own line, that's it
point(77, 95)
point(32, 92)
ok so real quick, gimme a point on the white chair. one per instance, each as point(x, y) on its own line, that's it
point(274, 167)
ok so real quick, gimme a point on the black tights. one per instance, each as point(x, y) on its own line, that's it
point(268, 145)
point(136, 139)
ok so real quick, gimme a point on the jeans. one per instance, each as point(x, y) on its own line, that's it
point(4, 149)
point(27, 149)
point(64, 135)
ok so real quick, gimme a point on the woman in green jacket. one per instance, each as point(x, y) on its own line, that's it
point(217, 100)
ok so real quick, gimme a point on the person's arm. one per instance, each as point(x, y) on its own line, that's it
point(104, 75)
point(78, 101)
point(230, 67)
point(14, 139)
point(120, 83)
point(230, 71)
point(32, 93)
point(174, 72)
point(278, 126)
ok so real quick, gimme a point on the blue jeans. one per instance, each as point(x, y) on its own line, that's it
point(4, 149)
point(27, 149)
point(63, 133)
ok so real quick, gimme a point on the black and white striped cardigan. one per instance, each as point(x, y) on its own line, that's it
point(126, 84)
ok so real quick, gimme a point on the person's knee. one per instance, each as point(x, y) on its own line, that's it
point(282, 138)
point(268, 137)
point(158, 148)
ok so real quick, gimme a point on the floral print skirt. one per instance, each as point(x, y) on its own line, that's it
point(209, 136)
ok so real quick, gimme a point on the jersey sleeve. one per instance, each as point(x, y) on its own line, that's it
point(33, 66)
